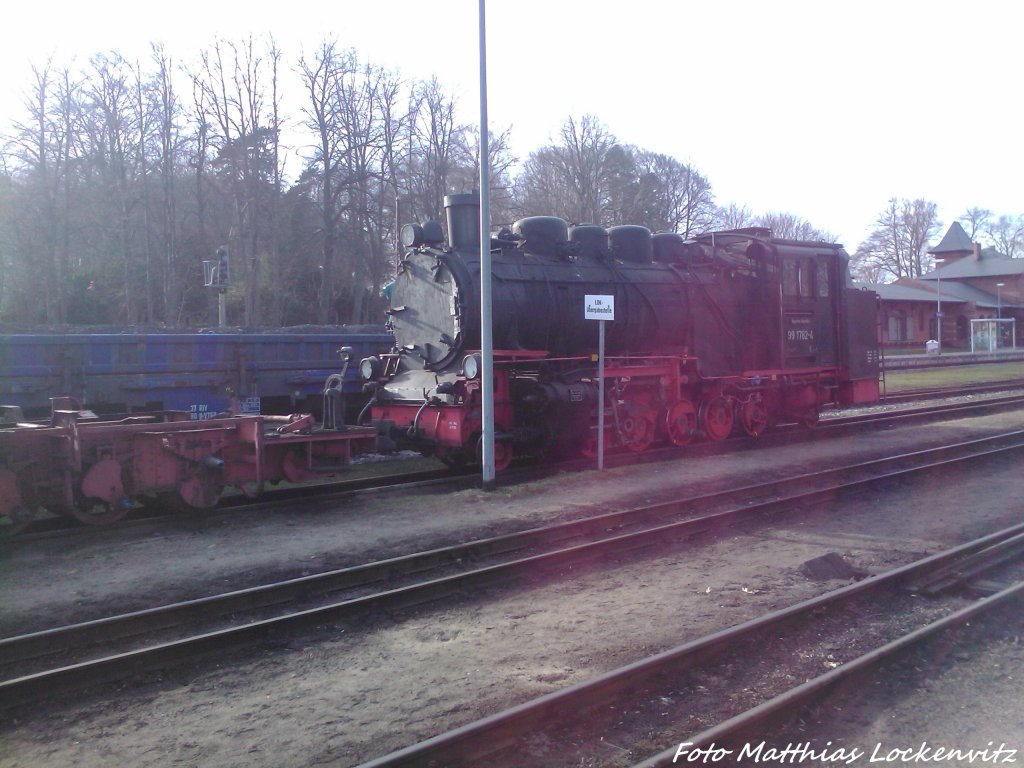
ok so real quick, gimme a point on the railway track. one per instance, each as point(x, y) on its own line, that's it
point(930, 393)
point(616, 708)
point(442, 476)
point(58, 660)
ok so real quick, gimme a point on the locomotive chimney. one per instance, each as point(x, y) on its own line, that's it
point(463, 212)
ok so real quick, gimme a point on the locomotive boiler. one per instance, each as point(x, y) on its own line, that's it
point(729, 330)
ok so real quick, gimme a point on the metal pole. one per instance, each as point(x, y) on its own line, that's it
point(486, 339)
point(222, 308)
point(938, 309)
point(600, 395)
point(999, 313)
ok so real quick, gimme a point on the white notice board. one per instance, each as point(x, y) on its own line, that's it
point(599, 307)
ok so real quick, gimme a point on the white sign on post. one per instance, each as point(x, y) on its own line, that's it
point(599, 308)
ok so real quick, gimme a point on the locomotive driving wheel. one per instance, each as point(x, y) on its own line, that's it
point(681, 422)
point(638, 432)
point(589, 449)
point(716, 417)
point(753, 416)
point(502, 450)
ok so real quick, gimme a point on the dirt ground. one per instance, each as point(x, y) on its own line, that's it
point(352, 694)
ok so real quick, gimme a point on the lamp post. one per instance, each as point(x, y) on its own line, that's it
point(486, 330)
point(938, 305)
point(999, 313)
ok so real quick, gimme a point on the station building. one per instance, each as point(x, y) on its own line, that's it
point(969, 283)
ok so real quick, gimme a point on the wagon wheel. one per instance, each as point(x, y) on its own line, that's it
point(203, 489)
point(16, 515)
point(638, 432)
point(753, 416)
point(716, 417)
point(15, 521)
point(96, 512)
point(681, 422)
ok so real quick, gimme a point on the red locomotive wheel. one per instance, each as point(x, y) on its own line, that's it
point(202, 490)
point(753, 417)
point(503, 450)
point(502, 455)
point(639, 434)
point(716, 417)
point(589, 448)
point(681, 422)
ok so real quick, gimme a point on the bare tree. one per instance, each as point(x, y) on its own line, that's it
point(902, 231)
point(592, 178)
point(584, 158)
point(110, 132)
point(42, 146)
point(1007, 235)
point(438, 145)
point(675, 197)
point(500, 165)
point(276, 303)
point(977, 221)
point(733, 216)
point(200, 161)
point(167, 114)
point(541, 188)
point(866, 270)
point(231, 79)
point(321, 79)
point(788, 226)
point(394, 121)
point(143, 116)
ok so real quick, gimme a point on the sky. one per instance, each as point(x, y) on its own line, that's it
point(824, 110)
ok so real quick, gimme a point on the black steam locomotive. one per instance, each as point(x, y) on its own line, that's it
point(730, 330)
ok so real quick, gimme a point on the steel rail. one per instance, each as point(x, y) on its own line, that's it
point(792, 701)
point(474, 742)
point(929, 393)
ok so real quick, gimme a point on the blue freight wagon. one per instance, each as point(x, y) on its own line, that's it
point(202, 373)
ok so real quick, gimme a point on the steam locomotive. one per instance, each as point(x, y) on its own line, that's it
point(728, 331)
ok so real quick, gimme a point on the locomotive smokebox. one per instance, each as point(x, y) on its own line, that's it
point(463, 212)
